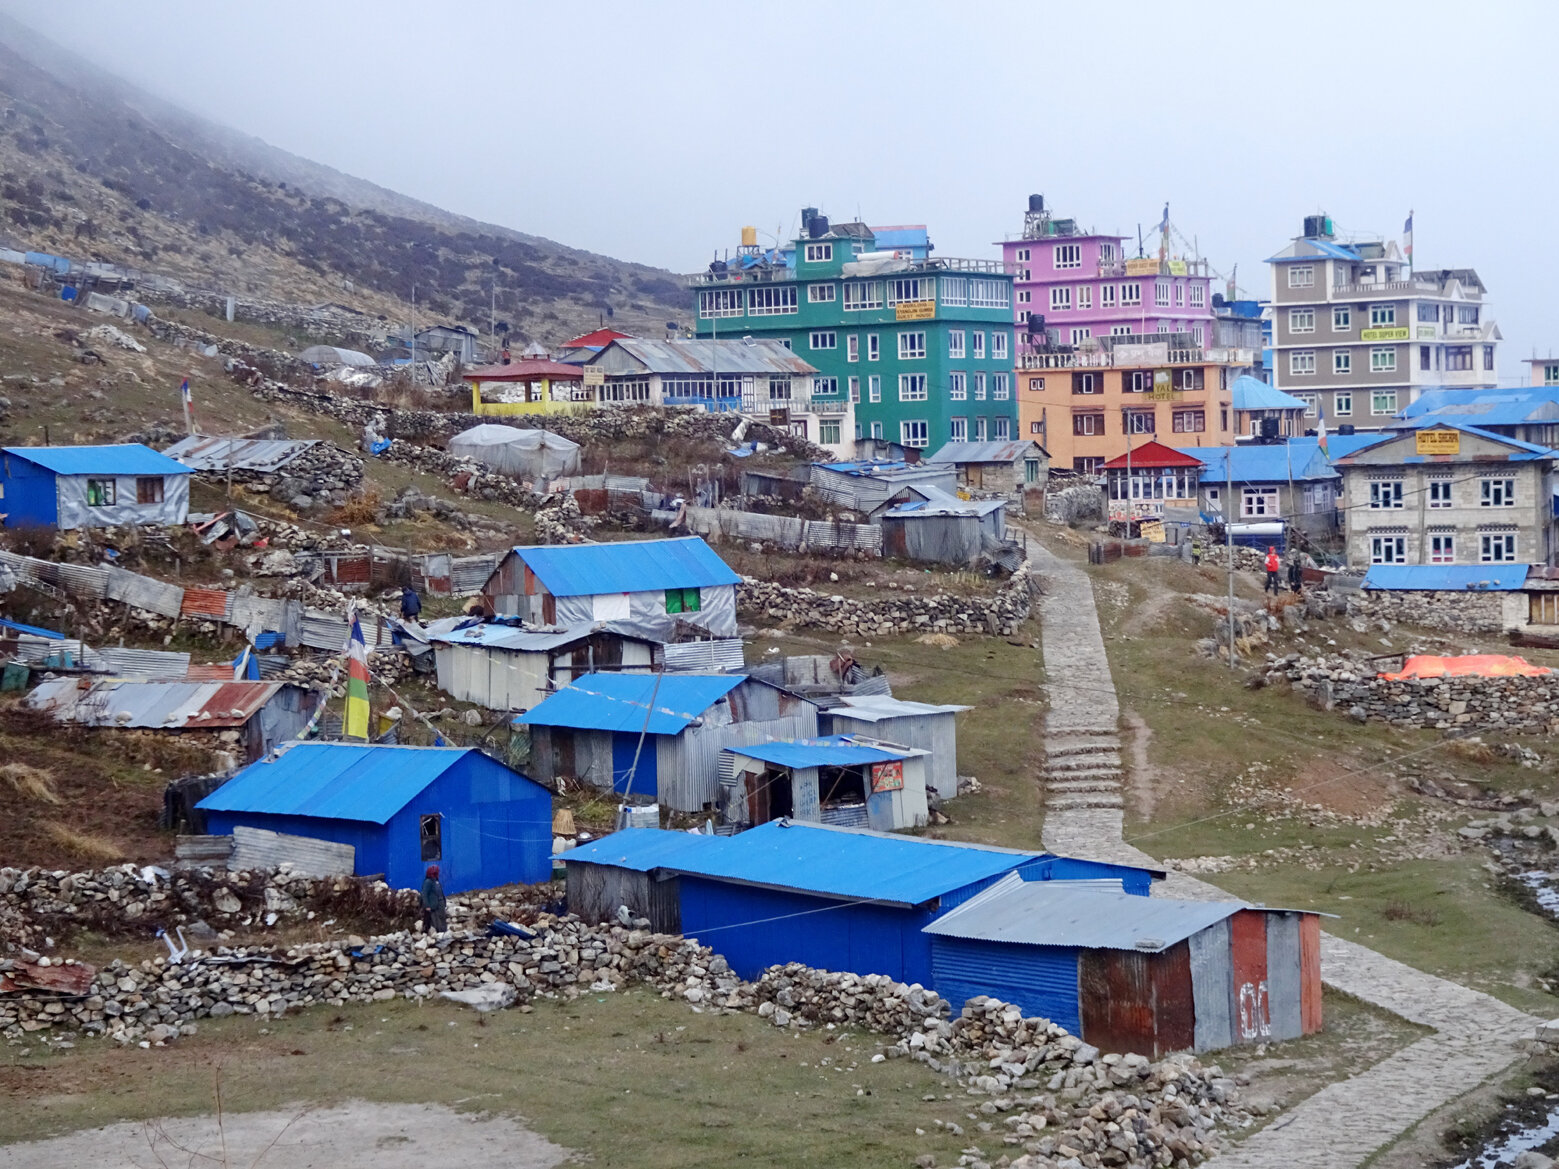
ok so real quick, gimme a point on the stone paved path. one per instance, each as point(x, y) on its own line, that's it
point(1475, 1035)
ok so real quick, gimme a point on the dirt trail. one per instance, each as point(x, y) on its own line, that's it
point(357, 1135)
point(1143, 775)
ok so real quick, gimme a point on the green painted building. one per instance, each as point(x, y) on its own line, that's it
point(921, 345)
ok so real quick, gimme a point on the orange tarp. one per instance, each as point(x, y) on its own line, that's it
point(1471, 665)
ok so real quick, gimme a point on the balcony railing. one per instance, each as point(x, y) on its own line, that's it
point(830, 406)
point(770, 273)
point(1386, 288)
point(1106, 359)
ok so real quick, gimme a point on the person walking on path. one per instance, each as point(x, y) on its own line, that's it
point(434, 918)
point(1273, 565)
point(1296, 575)
point(1196, 551)
point(411, 604)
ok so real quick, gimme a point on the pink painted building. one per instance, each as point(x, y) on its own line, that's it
point(1077, 289)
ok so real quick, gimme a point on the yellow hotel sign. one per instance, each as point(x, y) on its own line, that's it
point(1400, 333)
point(1439, 442)
point(914, 310)
point(1163, 386)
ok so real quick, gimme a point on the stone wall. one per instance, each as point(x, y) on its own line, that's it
point(1513, 705)
point(998, 614)
point(1453, 612)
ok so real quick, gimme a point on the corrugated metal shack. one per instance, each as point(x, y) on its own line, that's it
point(1131, 973)
point(940, 528)
point(70, 487)
point(649, 585)
point(263, 713)
point(504, 668)
point(401, 809)
point(915, 724)
point(202, 452)
point(864, 486)
point(846, 899)
point(1005, 465)
point(592, 730)
point(633, 868)
point(845, 780)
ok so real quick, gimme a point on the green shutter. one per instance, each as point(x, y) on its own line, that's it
point(673, 600)
point(692, 601)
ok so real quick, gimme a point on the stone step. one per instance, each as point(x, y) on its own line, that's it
point(1114, 773)
point(1070, 744)
point(1059, 787)
point(1066, 801)
point(1082, 762)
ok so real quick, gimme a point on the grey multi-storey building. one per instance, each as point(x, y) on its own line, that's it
point(1358, 333)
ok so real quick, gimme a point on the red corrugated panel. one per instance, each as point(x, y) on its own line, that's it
point(352, 569)
point(204, 603)
point(244, 697)
point(1248, 941)
point(216, 672)
point(1309, 973)
point(591, 500)
point(1174, 1011)
point(1116, 992)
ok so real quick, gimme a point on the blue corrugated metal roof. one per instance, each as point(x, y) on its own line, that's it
point(129, 458)
point(1066, 913)
point(840, 862)
point(1249, 393)
point(645, 849)
point(1522, 452)
point(334, 781)
point(1444, 398)
point(1340, 446)
point(35, 630)
point(1447, 577)
point(618, 702)
point(1322, 250)
point(584, 570)
point(828, 751)
point(1299, 459)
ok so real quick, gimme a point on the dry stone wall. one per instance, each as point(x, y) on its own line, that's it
point(1453, 612)
point(999, 614)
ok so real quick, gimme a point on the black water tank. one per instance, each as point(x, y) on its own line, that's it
point(1317, 227)
point(1218, 300)
point(1036, 204)
point(817, 226)
point(1036, 323)
point(1345, 428)
point(1270, 429)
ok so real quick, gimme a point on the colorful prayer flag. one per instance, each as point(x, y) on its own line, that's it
point(1320, 433)
point(184, 391)
point(1407, 238)
point(355, 725)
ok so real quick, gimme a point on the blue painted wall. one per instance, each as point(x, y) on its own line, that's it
point(30, 495)
point(1040, 979)
point(496, 830)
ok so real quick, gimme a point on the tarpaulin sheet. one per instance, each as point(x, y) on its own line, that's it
point(1468, 666)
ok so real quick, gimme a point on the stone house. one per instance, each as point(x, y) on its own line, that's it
point(1449, 494)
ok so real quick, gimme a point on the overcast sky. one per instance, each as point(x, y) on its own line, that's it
point(654, 131)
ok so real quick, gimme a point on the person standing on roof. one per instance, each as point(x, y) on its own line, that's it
point(1273, 566)
point(411, 603)
point(434, 919)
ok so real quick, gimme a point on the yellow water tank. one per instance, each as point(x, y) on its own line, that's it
point(749, 237)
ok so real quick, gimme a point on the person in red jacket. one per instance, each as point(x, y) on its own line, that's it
point(1273, 565)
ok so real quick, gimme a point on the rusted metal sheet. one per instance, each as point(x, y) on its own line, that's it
point(1212, 987)
point(1116, 989)
point(216, 672)
point(209, 603)
point(1283, 981)
point(1174, 1009)
point(1248, 949)
point(73, 979)
point(1309, 973)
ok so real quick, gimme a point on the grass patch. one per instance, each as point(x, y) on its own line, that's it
point(84, 846)
point(31, 783)
point(626, 1079)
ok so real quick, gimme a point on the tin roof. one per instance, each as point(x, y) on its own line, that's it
point(1069, 913)
point(1457, 578)
point(500, 636)
point(154, 705)
point(936, 502)
point(524, 370)
point(645, 849)
point(1005, 451)
point(828, 751)
point(201, 452)
point(887, 470)
point(131, 458)
point(1151, 454)
point(1251, 393)
point(1313, 249)
point(622, 702)
point(1299, 459)
point(636, 566)
point(850, 863)
point(1521, 452)
point(705, 355)
point(876, 707)
point(335, 781)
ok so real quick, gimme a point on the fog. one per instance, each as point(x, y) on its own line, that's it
point(653, 132)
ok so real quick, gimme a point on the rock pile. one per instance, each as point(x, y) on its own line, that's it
point(1516, 705)
point(998, 614)
point(1463, 612)
point(322, 476)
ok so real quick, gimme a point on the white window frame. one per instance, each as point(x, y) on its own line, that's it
point(1301, 362)
point(957, 386)
point(977, 344)
point(1301, 275)
point(1061, 298)
point(955, 291)
point(1386, 495)
point(912, 387)
point(1022, 254)
point(914, 433)
point(1439, 493)
point(823, 339)
point(855, 389)
point(1388, 549)
point(873, 348)
point(985, 292)
point(1497, 491)
point(1161, 294)
point(1131, 294)
point(911, 290)
point(1256, 502)
point(1081, 333)
point(999, 346)
point(1120, 330)
point(1301, 320)
point(829, 431)
point(874, 389)
point(1188, 422)
point(1379, 396)
point(1084, 298)
point(1383, 316)
point(979, 429)
point(1342, 361)
point(852, 347)
point(772, 300)
point(1001, 387)
point(957, 430)
point(721, 302)
point(877, 429)
point(979, 387)
point(912, 344)
point(1441, 547)
point(867, 294)
point(821, 293)
point(1342, 403)
point(819, 253)
point(955, 344)
point(1024, 297)
point(1066, 256)
point(1310, 401)
point(1342, 319)
point(1496, 547)
point(1087, 425)
point(1001, 428)
point(1106, 296)
point(1198, 296)
point(1179, 294)
point(1383, 359)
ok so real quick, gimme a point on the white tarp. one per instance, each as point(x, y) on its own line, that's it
point(333, 355)
point(528, 454)
point(75, 511)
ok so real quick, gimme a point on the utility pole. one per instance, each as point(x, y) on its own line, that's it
point(1228, 539)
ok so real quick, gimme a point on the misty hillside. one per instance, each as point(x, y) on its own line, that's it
point(93, 168)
